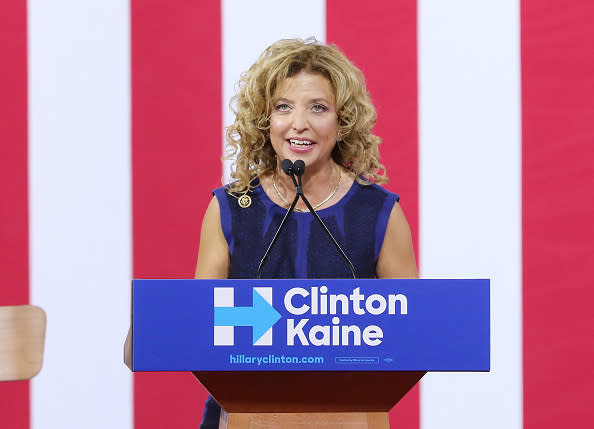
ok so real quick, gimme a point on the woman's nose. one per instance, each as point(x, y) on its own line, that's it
point(300, 122)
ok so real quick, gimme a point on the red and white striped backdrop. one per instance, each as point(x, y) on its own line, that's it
point(111, 124)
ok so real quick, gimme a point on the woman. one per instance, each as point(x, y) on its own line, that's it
point(303, 100)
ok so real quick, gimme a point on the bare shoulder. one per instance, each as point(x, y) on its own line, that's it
point(397, 258)
point(213, 253)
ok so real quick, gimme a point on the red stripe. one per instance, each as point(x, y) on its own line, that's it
point(176, 145)
point(380, 37)
point(14, 254)
point(558, 212)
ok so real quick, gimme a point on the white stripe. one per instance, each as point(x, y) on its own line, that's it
point(80, 249)
point(470, 213)
point(251, 26)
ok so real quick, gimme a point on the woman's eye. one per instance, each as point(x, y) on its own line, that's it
point(318, 108)
point(284, 107)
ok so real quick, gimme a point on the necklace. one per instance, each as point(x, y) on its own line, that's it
point(281, 196)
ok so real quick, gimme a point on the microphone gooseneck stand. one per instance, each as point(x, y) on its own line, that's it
point(293, 170)
point(299, 169)
point(287, 167)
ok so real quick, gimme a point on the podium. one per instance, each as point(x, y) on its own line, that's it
point(331, 353)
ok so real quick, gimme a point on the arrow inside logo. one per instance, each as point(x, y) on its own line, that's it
point(261, 316)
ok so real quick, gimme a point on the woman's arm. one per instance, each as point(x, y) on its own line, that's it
point(397, 259)
point(128, 349)
point(213, 254)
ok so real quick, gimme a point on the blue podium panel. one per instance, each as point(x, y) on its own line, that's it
point(305, 325)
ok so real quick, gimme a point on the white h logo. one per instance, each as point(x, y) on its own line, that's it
point(260, 316)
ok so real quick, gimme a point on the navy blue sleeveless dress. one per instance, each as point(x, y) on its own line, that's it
point(303, 250)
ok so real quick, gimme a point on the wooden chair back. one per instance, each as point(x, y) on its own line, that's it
point(22, 340)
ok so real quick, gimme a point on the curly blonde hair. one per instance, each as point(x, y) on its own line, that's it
point(248, 138)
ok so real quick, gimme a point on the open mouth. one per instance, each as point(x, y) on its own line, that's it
point(300, 143)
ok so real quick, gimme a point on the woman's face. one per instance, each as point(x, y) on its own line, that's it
point(304, 123)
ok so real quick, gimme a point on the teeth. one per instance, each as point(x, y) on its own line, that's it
point(300, 142)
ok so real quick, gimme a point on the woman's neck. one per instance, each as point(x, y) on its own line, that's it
point(318, 185)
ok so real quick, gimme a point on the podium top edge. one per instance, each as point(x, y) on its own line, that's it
point(457, 279)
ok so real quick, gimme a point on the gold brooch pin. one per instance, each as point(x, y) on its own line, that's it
point(244, 201)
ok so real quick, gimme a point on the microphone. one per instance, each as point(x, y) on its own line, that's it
point(299, 170)
point(289, 169)
point(299, 167)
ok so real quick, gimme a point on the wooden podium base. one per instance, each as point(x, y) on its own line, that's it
point(307, 399)
point(308, 391)
point(377, 420)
